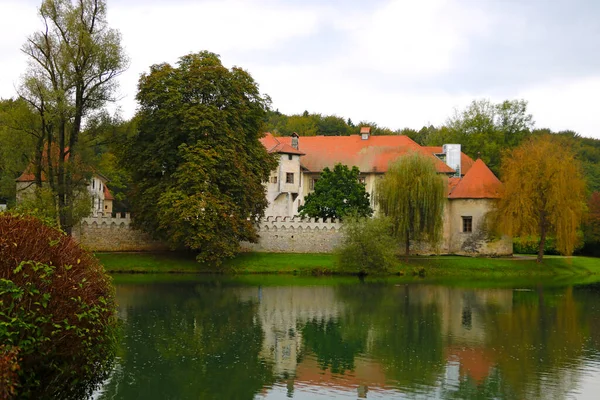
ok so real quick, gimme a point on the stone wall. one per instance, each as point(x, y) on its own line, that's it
point(296, 235)
point(107, 233)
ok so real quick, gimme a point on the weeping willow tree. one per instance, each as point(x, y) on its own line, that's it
point(413, 195)
point(544, 193)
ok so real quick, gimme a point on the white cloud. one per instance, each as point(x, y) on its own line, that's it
point(563, 105)
point(416, 38)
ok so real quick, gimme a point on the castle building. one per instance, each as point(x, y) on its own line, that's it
point(472, 186)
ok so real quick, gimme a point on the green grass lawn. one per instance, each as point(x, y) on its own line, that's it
point(323, 264)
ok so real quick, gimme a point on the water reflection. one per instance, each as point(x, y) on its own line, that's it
point(224, 340)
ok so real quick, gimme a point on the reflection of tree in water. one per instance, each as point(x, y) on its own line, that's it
point(334, 348)
point(404, 335)
point(536, 347)
point(185, 343)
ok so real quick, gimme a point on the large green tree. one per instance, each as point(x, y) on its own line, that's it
point(544, 192)
point(338, 193)
point(485, 129)
point(74, 60)
point(413, 195)
point(196, 162)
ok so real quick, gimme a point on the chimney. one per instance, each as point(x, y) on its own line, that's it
point(452, 154)
point(295, 140)
point(365, 131)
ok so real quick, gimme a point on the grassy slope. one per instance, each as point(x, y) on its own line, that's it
point(303, 264)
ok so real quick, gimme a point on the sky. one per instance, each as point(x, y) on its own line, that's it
point(394, 62)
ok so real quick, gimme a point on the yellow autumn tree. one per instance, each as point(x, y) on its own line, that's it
point(544, 192)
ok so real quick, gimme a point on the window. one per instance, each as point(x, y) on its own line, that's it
point(313, 181)
point(290, 157)
point(289, 177)
point(467, 224)
point(93, 184)
point(362, 179)
point(273, 179)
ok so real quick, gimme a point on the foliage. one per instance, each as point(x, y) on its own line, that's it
point(196, 163)
point(413, 195)
point(487, 129)
point(56, 308)
point(41, 203)
point(368, 246)
point(9, 368)
point(591, 226)
point(16, 145)
point(337, 193)
point(74, 60)
point(530, 244)
point(544, 193)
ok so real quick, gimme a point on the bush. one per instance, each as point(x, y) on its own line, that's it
point(368, 246)
point(530, 244)
point(57, 312)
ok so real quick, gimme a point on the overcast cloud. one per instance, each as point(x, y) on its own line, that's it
point(398, 63)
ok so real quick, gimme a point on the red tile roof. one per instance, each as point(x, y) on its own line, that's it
point(371, 155)
point(107, 194)
point(274, 145)
point(466, 162)
point(478, 183)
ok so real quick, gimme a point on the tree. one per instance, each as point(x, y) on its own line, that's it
point(18, 142)
point(591, 225)
point(74, 60)
point(196, 163)
point(487, 129)
point(413, 195)
point(338, 193)
point(544, 193)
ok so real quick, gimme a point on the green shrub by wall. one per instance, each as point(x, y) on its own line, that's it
point(367, 247)
point(57, 312)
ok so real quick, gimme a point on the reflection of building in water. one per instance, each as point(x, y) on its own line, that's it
point(462, 314)
point(281, 310)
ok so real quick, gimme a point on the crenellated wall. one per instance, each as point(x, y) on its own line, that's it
point(296, 235)
point(108, 233)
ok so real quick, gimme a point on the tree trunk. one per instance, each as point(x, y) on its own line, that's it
point(542, 243)
point(407, 248)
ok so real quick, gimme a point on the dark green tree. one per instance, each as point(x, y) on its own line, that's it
point(338, 193)
point(196, 162)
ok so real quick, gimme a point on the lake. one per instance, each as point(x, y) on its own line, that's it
point(270, 337)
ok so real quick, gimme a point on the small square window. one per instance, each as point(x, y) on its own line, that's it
point(290, 157)
point(467, 224)
point(289, 177)
point(273, 179)
point(362, 179)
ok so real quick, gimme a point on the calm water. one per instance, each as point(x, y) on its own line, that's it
point(224, 339)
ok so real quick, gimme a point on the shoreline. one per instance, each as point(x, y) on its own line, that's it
point(520, 266)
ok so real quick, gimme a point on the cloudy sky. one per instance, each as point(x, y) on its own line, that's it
point(398, 63)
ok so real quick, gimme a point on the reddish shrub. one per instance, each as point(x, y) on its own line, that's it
point(58, 307)
point(9, 366)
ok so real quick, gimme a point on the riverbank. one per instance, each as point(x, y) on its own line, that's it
point(325, 264)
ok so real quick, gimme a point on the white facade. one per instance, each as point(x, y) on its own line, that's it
point(284, 189)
